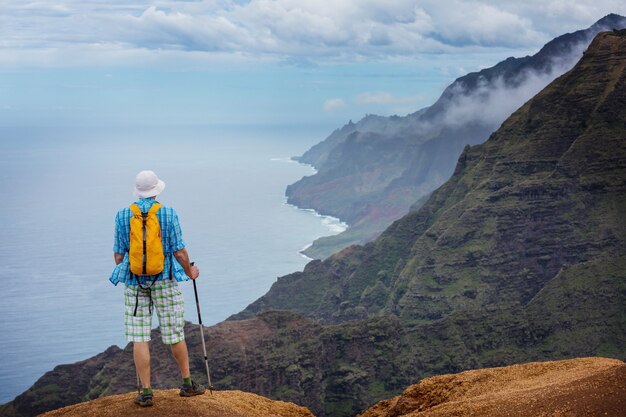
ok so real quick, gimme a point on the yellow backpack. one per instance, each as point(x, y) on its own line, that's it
point(146, 249)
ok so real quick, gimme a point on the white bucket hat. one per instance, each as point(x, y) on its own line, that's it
point(147, 184)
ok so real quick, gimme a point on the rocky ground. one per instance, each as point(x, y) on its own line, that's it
point(577, 387)
point(168, 403)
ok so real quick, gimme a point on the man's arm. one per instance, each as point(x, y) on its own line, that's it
point(119, 246)
point(183, 259)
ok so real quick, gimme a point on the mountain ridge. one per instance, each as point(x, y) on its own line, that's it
point(372, 172)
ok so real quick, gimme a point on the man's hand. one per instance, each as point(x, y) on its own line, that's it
point(195, 272)
point(183, 258)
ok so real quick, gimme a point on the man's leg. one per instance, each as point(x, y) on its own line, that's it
point(137, 322)
point(141, 354)
point(170, 307)
point(179, 350)
point(189, 388)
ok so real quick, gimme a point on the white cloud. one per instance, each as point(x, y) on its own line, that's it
point(334, 104)
point(290, 30)
point(479, 23)
point(492, 102)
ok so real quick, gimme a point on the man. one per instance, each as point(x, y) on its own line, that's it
point(160, 291)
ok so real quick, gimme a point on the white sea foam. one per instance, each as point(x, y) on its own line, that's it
point(301, 252)
point(287, 160)
point(333, 224)
point(311, 167)
point(294, 161)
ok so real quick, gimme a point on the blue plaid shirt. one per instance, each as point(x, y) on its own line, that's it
point(171, 236)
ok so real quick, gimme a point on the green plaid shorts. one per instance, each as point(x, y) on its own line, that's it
point(167, 299)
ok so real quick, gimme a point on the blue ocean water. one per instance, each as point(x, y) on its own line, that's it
point(60, 191)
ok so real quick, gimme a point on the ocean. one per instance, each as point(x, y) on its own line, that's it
point(61, 188)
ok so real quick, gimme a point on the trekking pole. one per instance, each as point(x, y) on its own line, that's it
point(138, 382)
point(206, 359)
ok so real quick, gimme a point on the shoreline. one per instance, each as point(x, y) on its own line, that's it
point(294, 160)
point(301, 252)
point(333, 224)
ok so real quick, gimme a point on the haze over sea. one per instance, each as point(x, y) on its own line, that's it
point(61, 189)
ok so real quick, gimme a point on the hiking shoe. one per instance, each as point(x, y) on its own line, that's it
point(191, 390)
point(144, 400)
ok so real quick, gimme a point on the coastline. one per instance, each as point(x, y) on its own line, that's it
point(294, 159)
point(301, 252)
point(333, 224)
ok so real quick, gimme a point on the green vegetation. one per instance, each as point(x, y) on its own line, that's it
point(519, 256)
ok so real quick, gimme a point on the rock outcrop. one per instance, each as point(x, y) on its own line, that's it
point(169, 403)
point(579, 387)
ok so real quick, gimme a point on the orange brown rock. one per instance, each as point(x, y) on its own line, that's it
point(577, 387)
point(168, 403)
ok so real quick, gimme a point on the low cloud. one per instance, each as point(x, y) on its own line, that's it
point(475, 100)
point(334, 104)
point(490, 102)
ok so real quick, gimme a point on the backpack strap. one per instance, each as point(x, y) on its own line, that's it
point(155, 207)
point(136, 296)
point(149, 288)
point(135, 209)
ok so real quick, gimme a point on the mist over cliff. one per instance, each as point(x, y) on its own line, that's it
point(372, 172)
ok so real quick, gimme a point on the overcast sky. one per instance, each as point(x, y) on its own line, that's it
point(303, 62)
